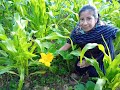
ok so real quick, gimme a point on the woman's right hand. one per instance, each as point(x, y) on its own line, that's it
point(83, 64)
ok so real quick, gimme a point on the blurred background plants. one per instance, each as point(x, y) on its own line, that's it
point(31, 27)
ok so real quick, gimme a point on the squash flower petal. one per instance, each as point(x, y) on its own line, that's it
point(47, 64)
point(46, 59)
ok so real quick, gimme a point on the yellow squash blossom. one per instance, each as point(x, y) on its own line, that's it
point(46, 58)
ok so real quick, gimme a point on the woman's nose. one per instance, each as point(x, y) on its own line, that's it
point(85, 22)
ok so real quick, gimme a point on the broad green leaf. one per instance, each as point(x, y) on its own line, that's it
point(87, 47)
point(116, 86)
point(75, 52)
point(112, 70)
point(106, 61)
point(54, 35)
point(47, 44)
point(116, 62)
point(65, 55)
point(79, 87)
point(9, 45)
point(91, 61)
point(90, 85)
point(40, 44)
point(99, 84)
point(68, 57)
point(115, 82)
point(4, 69)
point(101, 47)
point(110, 73)
point(94, 63)
point(107, 58)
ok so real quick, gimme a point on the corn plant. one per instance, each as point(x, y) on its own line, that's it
point(109, 11)
point(6, 14)
point(35, 12)
point(16, 51)
point(111, 78)
point(48, 20)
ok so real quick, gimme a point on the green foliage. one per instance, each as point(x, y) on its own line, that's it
point(99, 84)
point(88, 86)
point(29, 27)
point(16, 50)
point(111, 78)
point(35, 12)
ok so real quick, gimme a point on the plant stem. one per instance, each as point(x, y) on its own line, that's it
point(68, 65)
point(21, 81)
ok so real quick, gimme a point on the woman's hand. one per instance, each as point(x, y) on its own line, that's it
point(83, 64)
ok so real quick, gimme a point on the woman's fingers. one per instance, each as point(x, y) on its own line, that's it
point(83, 64)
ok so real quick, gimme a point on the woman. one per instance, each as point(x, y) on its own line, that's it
point(91, 30)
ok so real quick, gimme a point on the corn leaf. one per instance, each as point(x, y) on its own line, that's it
point(94, 63)
point(9, 45)
point(87, 47)
point(99, 84)
point(4, 69)
point(54, 35)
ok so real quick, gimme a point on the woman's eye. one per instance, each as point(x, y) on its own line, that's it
point(88, 18)
point(81, 19)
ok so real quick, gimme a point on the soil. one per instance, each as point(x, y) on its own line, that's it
point(41, 82)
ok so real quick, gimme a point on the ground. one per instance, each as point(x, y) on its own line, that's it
point(47, 81)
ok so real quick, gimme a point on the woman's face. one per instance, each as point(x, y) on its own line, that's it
point(87, 20)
